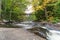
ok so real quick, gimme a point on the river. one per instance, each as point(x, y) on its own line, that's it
point(44, 31)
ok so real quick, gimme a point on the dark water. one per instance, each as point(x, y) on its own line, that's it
point(8, 26)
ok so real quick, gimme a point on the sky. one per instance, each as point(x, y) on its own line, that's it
point(29, 9)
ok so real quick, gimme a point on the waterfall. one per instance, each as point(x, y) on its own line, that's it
point(53, 35)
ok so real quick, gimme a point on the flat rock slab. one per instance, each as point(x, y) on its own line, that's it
point(17, 34)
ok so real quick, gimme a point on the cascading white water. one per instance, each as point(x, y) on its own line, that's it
point(53, 35)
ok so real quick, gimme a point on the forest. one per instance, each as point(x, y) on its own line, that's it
point(41, 10)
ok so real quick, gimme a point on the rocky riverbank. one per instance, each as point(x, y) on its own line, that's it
point(17, 34)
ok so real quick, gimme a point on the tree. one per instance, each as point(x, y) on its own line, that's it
point(12, 9)
point(44, 8)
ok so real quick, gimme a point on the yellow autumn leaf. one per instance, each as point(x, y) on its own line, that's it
point(35, 2)
point(39, 8)
point(50, 18)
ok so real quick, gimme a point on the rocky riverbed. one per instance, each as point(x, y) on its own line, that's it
point(17, 34)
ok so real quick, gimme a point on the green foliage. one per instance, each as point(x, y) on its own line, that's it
point(40, 15)
point(51, 11)
point(11, 9)
point(57, 12)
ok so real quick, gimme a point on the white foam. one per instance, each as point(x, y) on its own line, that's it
point(53, 35)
